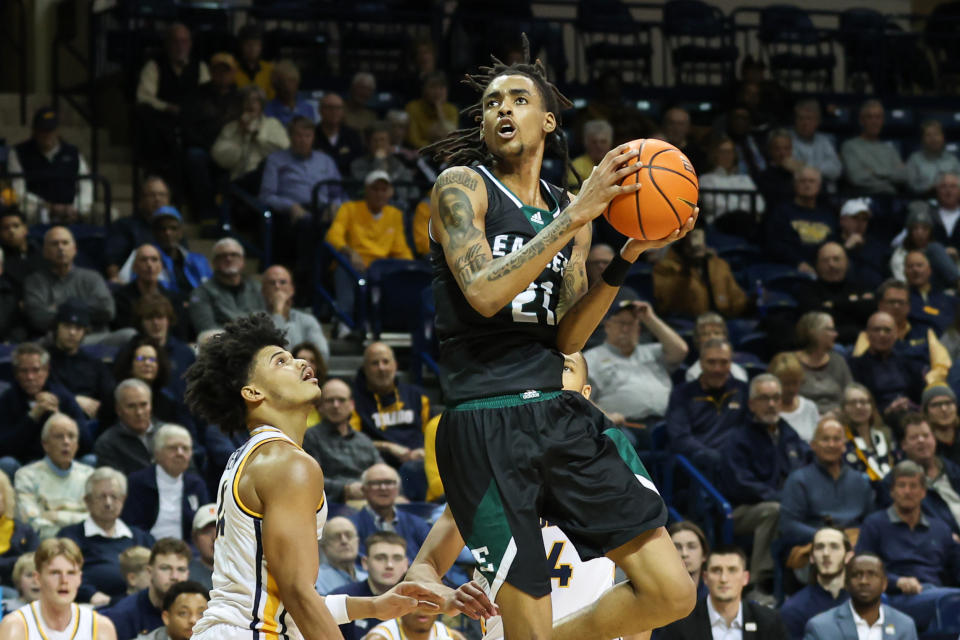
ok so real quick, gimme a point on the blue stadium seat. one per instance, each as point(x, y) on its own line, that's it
point(948, 616)
point(394, 284)
point(425, 348)
point(752, 343)
point(740, 327)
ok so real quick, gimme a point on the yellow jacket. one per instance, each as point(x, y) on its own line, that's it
point(421, 228)
point(261, 78)
point(373, 238)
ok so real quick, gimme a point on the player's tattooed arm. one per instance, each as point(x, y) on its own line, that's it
point(459, 206)
point(575, 274)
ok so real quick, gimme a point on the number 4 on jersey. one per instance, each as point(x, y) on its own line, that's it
point(561, 572)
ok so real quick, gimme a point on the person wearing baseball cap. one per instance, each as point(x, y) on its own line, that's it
point(183, 270)
point(631, 381)
point(867, 255)
point(204, 536)
point(367, 230)
point(50, 191)
point(84, 375)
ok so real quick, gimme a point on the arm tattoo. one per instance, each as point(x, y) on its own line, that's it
point(457, 177)
point(574, 284)
point(470, 263)
point(456, 214)
point(513, 261)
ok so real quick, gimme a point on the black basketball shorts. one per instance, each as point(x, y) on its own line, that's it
point(506, 462)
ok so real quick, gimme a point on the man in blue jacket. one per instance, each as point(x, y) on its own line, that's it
point(864, 616)
point(153, 503)
point(758, 457)
point(703, 412)
point(381, 485)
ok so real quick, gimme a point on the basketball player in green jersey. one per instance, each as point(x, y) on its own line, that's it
point(508, 253)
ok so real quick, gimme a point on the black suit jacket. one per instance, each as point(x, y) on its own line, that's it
point(759, 623)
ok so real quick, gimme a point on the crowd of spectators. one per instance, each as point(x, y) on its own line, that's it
point(824, 410)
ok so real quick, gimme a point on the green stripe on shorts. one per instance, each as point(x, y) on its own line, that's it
point(502, 402)
point(628, 453)
point(490, 537)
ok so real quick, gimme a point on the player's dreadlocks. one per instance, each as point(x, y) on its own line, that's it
point(465, 147)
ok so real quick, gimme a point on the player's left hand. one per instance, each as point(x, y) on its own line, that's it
point(473, 601)
point(634, 247)
point(404, 598)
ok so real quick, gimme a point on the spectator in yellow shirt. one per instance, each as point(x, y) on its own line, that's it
point(431, 116)
point(252, 69)
point(367, 230)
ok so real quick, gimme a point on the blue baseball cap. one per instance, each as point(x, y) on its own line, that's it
point(169, 212)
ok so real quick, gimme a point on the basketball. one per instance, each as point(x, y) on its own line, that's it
point(667, 199)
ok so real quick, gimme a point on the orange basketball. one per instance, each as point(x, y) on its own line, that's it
point(669, 194)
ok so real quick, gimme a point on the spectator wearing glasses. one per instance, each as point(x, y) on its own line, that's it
point(939, 404)
point(341, 552)
point(381, 487)
point(758, 457)
point(228, 294)
point(342, 452)
point(869, 447)
point(334, 137)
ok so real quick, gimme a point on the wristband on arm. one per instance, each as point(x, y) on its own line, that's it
point(616, 271)
point(337, 604)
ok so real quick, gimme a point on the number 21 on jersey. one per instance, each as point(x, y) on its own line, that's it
point(533, 304)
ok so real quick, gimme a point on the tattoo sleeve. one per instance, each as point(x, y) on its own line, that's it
point(574, 283)
point(456, 214)
point(513, 261)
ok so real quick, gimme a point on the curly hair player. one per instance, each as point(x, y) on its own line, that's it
point(271, 506)
point(508, 252)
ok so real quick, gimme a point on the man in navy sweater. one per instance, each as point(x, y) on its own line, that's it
point(831, 550)
point(796, 229)
point(921, 555)
point(140, 612)
point(385, 563)
point(825, 492)
point(758, 457)
point(703, 412)
point(103, 536)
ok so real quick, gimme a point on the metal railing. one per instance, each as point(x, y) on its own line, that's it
point(105, 195)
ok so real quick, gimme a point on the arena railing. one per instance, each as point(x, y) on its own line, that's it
point(104, 195)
